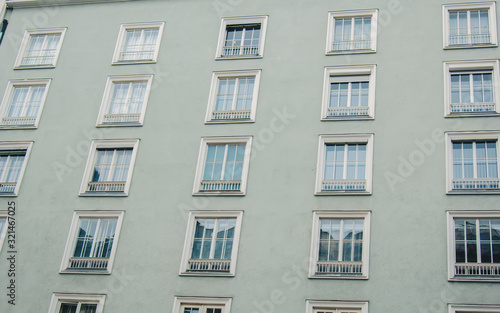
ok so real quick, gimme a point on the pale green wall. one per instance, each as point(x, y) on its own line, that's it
point(408, 256)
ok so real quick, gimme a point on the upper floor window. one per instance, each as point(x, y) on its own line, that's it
point(471, 89)
point(3, 227)
point(13, 156)
point(317, 306)
point(472, 308)
point(473, 162)
point(242, 37)
point(40, 48)
point(474, 247)
point(76, 303)
point(340, 245)
point(109, 168)
point(124, 101)
point(349, 92)
point(223, 166)
point(211, 243)
point(202, 305)
point(91, 244)
point(469, 25)
point(352, 32)
point(23, 102)
point(138, 43)
point(233, 96)
point(344, 164)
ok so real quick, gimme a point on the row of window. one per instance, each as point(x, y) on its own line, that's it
point(344, 165)
point(349, 92)
point(82, 303)
point(339, 248)
point(464, 25)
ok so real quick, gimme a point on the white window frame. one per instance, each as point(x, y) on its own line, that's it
point(464, 67)
point(137, 26)
point(9, 92)
point(59, 298)
point(492, 15)
point(24, 46)
point(351, 14)
point(473, 308)
point(205, 142)
point(222, 302)
point(324, 140)
point(469, 136)
point(3, 232)
point(26, 146)
point(317, 217)
point(450, 217)
point(188, 241)
point(314, 306)
point(108, 92)
point(212, 98)
point(73, 234)
point(89, 168)
point(234, 21)
point(349, 73)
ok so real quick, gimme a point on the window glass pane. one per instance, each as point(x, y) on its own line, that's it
point(85, 238)
point(68, 308)
point(88, 308)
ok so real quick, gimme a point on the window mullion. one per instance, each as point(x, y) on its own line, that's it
point(341, 241)
point(469, 27)
point(214, 234)
point(344, 169)
point(78, 307)
point(112, 166)
point(95, 239)
point(471, 88)
point(224, 162)
point(474, 159)
point(491, 242)
point(29, 94)
point(478, 241)
point(349, 94)
point(243, 35)
point(235, 93)
point(126, 107)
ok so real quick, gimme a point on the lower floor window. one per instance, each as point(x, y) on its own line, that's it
point(325, 306)
point(202, 305)
point(76, 303)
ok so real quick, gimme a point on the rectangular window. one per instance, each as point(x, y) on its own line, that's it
point(470, 308)
point(76, 303)
point(223, 166)
point(91, 244)
point(349, 92)
point(109, 168)
point(469, 25)
point(474, 163)
point(474, 249)
point(202, 305)
point(242, 37)
point(233, 96)
point(344, 167)
point(3, 227)
point(13, 159)
point(40, 48)
point(138, 43)
point(211, 243)
point(124, 101)
point(340, 245)
point(352, 31)
point(316, 306)
point(23, 103)
point(471, 88)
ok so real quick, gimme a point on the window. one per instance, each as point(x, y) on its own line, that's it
point(211, 243)
point(124, 101)
point(340, 245)
point(352, 32)
point(474, 245)
point(92, 240)
point(314, 306)
point(233, 96)
point(242, 37)
point(109, 168)
point(138, 43)
point(471, 89)
point(76, 303)
point(469, 25)
point(473, 162)
point(349, 92)
point(13, 159)
point(202, 305)
point(23, 102)
point(3, 227)
point(467, 308)
point(344, 164)
point(223, 166)
point(40, 48)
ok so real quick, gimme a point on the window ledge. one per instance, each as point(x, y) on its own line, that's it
point(350, 277)
point(474, 192)
point(34, 67)
point(206, 274)
point(8, 195)
point(85, 272)
point(219, 193)
point(350, 52)
point(239, 57)
point(18, 127)
point(470, 114)
point(119, 125)
point(344, 193)
point(476, 279)
point(134, 62)
point(347, 118)
point(470, 46)
point(103, 194)
point(229, 121)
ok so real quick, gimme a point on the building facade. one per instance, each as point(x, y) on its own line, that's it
point(250, 156)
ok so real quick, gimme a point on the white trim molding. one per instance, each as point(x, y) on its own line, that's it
point(91, 264)
point(52, 58)
point(151, 55)
point(470, 40)
point(11, 188)
point(3, 227)
point(473, 308)
point(241, 52)
point(202, 303)
point(59, 298)
point(316, 306)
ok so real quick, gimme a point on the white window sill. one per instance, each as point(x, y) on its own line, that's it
point(473, 114)
point(350, 277)
point(85, 272)
point(126, 124)
point(347, 118)
point(207, 274)
point(18, 127)
point(476, 279)
point(349, 52)
point(238, 57)
point(30, 67)
point(469, 46)
point(219, 193)
point(230, 121)
point(103, 194)
point(474, 192)
point(128, 62)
